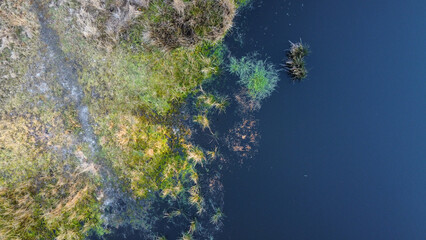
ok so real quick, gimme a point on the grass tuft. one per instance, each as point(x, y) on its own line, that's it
point(258, 76)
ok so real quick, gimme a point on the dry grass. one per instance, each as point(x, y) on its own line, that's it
point(18, 24)
point(18, 36)
point(51, 205)
point(186, 23)
point(45, 192)
point(100, 21)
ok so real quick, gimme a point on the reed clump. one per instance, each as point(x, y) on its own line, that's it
point(295, 63)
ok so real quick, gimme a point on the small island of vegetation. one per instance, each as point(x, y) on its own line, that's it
point(258, 76)
point(296, 63)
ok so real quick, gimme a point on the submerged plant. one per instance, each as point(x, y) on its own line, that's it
point(207, 101)
point(217, 217)
point(193, 227)
point(186, 236)
point(258, 76)
point(202, 120)
point(295, 63)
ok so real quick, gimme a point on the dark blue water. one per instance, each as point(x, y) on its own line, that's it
point(342, 154)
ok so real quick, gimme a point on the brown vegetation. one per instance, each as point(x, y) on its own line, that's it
point(187, 23)
point(243, 138)
point(18, 31)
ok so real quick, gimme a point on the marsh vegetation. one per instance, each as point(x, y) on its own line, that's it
point(121, 76)
point(295, 63)
point(258, 76)
point(135, 68)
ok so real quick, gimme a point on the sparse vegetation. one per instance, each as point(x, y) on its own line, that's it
point(242, 3)
point(216, 219)
point(258, 76)
point(296, 62)
point(186, 236)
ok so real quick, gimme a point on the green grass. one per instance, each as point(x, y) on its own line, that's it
point(257, 76)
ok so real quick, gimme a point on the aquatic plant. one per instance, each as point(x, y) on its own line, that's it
point(217, 217)
point(186, 236)
point(193, 227)
point(202, 120)
point(206, 102)
point(243, 138)
point(195, 154)
point(172, 214)
point(295, 63)
point(213, 154)
point(258, 76)
point(242, 3)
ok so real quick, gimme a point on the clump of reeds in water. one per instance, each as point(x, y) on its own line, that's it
point(295, 63)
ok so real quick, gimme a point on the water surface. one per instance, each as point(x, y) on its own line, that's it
point(342, 154)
